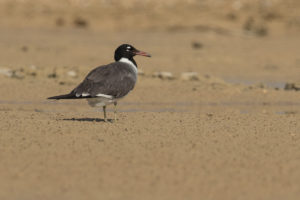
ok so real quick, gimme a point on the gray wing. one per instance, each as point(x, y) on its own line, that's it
point(115, 79)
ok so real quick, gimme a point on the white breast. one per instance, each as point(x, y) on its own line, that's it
point(131, 64)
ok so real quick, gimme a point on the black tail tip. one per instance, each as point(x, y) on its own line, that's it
point(64, 96)
point(53, 98)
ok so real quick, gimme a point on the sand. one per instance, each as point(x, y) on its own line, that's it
point(231, 134)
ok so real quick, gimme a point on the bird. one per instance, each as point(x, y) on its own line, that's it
point(107, 84)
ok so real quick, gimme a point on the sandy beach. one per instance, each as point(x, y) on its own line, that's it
point(231, 131)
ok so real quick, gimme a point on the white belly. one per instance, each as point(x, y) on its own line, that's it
point(100, 101)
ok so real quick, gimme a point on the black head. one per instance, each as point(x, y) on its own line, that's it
point(128, 51)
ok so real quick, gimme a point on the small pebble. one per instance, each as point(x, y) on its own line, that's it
point(24, 48)
point(52, 75)
point(18, 74)
point(292, 86)
point(6, 72)
point(72, 74)
point(31, 70)
point(80, 22)
point(163, 75)
point(189, 76)
point(197, 45)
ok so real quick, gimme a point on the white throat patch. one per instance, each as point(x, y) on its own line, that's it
point(132, 65)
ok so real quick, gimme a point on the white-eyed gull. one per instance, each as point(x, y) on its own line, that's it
point(108, 83)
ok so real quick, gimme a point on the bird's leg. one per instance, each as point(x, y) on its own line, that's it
point(104, 112)
point(115, 110)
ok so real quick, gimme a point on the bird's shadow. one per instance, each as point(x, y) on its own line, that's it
point(88, 119)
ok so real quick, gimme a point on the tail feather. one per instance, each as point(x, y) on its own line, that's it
point(64, 96)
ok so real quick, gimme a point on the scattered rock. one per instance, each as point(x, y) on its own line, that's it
point(24, 48)
point(163, 75)
point(6, 72)
point(197, 45)
point(18, 74)
point(66, 83)
point(31, 71)
point(214, 29)
point(255, 26)
point(292, 112)
point(52, 75)
point(256, 86)
point(292, 86)
point(269, 16)
point(209, 115)
point(80, 22)
point(189, 76)
point(259, 85)
point(72, 73)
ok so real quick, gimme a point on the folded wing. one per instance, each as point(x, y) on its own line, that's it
point(116, 80)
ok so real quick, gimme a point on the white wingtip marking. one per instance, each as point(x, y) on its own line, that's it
point(85, 94)
point(104, 95)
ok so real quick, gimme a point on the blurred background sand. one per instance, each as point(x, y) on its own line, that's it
point(214, 115)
